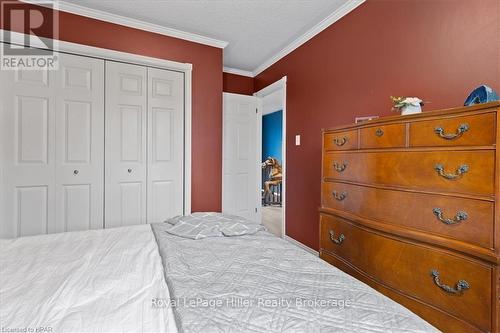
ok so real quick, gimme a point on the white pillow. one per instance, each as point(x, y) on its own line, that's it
point(210, 224)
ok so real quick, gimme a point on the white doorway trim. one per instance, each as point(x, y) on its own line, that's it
point(280, 84)
point(131, 58)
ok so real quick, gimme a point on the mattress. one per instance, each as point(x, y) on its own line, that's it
point(261, 283)
point(89, 281)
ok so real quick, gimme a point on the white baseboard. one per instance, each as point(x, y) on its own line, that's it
point(302, 246)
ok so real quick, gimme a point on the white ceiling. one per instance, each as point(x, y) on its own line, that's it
point(256, 30)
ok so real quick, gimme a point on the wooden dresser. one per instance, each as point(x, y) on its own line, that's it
point(409, 205)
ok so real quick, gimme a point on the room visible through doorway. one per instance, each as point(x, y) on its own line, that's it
point(273, 159)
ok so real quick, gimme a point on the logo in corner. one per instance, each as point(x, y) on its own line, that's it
point(29, 35)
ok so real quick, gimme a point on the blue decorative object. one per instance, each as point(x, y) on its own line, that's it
point(482, 94)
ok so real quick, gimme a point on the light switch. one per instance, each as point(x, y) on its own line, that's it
point(297, 140)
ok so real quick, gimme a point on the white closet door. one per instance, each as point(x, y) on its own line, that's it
point(125, 149)
point(165, 144)
point(27, 126)
point(52, 123)
point(79, 143)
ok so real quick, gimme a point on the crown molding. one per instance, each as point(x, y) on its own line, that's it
point(237, 71)
point(133, 23)
point(329, 20)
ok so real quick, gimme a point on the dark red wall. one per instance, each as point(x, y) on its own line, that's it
point(438, 50)
point(206, 85)
point(237, 84)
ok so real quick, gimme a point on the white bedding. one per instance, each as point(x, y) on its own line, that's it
point(109, 280)
point(90, 281)
point(256, 283)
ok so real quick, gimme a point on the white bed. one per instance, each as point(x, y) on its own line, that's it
point(89, 281)
point(113, 280)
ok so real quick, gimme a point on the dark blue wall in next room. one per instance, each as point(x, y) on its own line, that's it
point(272, 135)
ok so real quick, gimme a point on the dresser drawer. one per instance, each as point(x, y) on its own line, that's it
point(466, 220)
point(470, 171)
point(341, 140)
point(387, 136)
point(415, 270)
point(475, 130)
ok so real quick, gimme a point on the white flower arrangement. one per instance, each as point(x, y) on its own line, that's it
point(401, 102)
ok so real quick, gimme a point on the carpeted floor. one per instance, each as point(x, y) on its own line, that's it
point(271, 219)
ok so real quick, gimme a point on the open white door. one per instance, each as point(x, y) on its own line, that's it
point(241, 155)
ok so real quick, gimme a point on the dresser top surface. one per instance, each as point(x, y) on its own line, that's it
point(419, 116)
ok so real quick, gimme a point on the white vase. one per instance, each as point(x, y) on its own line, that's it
point(411, 109)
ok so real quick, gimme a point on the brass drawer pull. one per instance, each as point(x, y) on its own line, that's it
point(379, 132)
point(340, 141)
point(458, 289)
point(451, 136)
point(339, 196)
point(460, 171)
point(461, 216)
point(338, 241)
point(339, 167)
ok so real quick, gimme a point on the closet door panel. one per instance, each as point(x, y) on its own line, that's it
point(165, 144)
point(32, 210)
point(131, 203)
point(27, 152)
point(80, 143)
point(126, 136)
